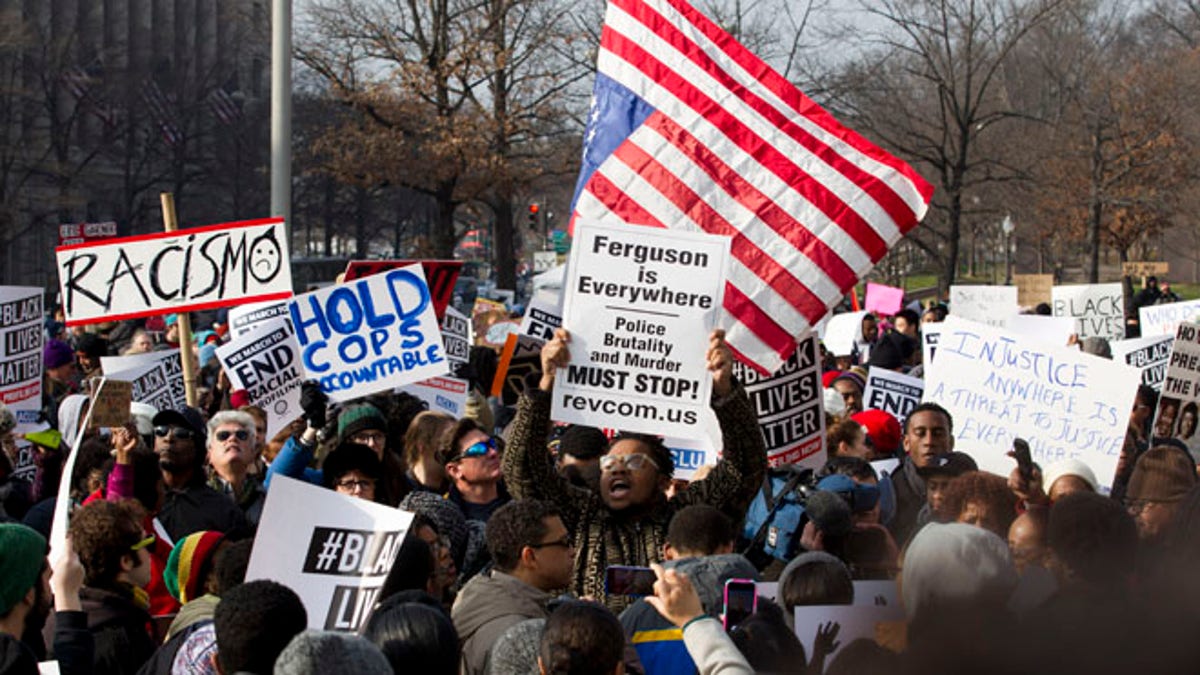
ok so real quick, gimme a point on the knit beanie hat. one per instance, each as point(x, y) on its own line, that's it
point(8, 421)
point(1069, 467)
point(516, 652)
point(349, 457)
point(189, 563)
point(852, 376)
point(955, 563)
point(56, 354)
point(314, 652)
point(360, 417)
point(810, 558)
point(22, 557)
point(1162, 474)
point(450, 521)
point(882, 429)
point(829, 512)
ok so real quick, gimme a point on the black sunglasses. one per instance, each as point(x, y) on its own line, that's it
point(223, 435)
point(182, 433)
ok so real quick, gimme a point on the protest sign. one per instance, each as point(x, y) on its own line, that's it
point(440, 276)
point(1098, 309)
point(855, 621)
point(149, 384)
point(1144, 268)
point(80, 233)
point(541, 318)
point(266, 363)
point(1033, 289)
point(62, 501)
point(171, 376)
point(1178, 411)
point(689, 454)
point(892, 392)
point(110, 404)
point(1149, 355)
point(1162, 319)
point(334, 550)
point(988, 305)
point(790, 407)
point(1054, 330)
point(369, 334)
point(930, 334)
point(442, 394)
point(456, 334)
point(640, 303)
point(876, 592)
point(186, 270)
point(520, 358)
point(21, 360)
point(843, 332)
point(884, 300)
point(544, 260)
point(998, 387)
point(245, 318)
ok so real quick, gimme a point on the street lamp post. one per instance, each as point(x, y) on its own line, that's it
point(1007, 226)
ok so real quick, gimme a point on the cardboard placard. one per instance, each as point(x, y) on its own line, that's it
point(110, 404)
point(790, 407)
point(541, 318)
point(520, 358)
point(266, 363)
point(998, 386)
point(1145, 268)
point(81, 233)
point(1098, 309)
point(1149, 355)
point(368, 335)
point(1163, 319)
point(884, 300)
point(440, 276)
point(245, 318)
point(843, 332)
point(854, 621)
point(988, 305)
point(1054, 330)
point(456, 335)
point(333, 550)
point(442, 394)
point(164, 388)
point(21, 363)
point(187, 270)
point(1179, 406)
point(892, 392)
point(1033, 289)
point(930, 334)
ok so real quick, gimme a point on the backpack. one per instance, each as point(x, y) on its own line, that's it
point(775, 519)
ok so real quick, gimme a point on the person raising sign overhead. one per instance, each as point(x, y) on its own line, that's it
point(626, 523)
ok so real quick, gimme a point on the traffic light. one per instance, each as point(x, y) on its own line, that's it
point(533, 216)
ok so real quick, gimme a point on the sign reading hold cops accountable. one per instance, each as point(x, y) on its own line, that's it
point(998, 387)
point(188, 270)
point(790, 407)
point(1098, 309)
point(334, 550)
point(1179, 406)
point(1149, 355)
point(892, 392)
point(640, 303)
point(370, 334)
point(266, 363)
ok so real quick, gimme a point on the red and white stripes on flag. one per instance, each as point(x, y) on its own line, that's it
point(223, 107)
point(730, 147)
point(161, 110)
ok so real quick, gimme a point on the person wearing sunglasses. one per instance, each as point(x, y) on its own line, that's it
point(472, 459)
point(188, 504)
point(626, 523)
point(232, 447)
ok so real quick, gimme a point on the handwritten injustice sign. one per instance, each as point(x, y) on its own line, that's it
point(188, 270)
point(640, 303)
point(370, 334)
point(998, 386)
point(1098, 309)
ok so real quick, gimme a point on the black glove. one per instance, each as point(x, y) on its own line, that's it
point(313, 402)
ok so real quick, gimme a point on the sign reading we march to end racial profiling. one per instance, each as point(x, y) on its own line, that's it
point(640, 303)
point(187, 270)
point(370, 334)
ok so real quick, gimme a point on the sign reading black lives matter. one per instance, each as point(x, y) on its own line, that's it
point(456, 334)
point(266, 363)
point(334, 550)
point(1149, 355)
point(157, 377)
point(640, 303)
point(790, 409)
point(187, 270)
point(21, 365)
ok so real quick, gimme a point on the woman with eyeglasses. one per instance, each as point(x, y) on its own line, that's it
point(352, 469)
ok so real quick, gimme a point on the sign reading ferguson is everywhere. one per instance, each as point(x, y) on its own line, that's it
point(791, 413)
point(370, 334)
point(640, 303)
point(187, 270)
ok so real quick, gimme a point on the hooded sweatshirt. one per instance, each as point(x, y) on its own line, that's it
point(659, 643)
point(488, 605)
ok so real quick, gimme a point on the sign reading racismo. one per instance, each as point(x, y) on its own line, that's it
point(188, 270)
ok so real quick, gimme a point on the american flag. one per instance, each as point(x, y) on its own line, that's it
point(79, 81)
point(223, 106)
point(160, 110)
point(690, 130)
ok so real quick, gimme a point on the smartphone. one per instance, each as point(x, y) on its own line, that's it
point(1023, 457)
point(741, 600)
point(623, 580)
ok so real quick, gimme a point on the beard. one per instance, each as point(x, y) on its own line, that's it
point(31, 633)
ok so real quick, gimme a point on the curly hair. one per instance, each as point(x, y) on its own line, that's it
point(423, 435)
point(103, 532)
point(986, 490)
point(657, 450)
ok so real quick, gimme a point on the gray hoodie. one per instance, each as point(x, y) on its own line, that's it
point(487, 606)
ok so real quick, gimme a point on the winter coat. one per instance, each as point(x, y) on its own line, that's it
point(488, 605)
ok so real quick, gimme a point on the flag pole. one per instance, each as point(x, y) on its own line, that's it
point(170, 224)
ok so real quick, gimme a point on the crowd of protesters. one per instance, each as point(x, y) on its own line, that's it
point(518, 519)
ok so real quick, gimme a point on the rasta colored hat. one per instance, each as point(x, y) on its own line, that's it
point(1162, 474)
point(360, 417)
point(56, 354)
point(189, 564)
point(851, 376)
point(22, 557)
point(882, 428)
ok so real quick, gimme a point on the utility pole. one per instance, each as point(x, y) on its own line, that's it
point(281, 111)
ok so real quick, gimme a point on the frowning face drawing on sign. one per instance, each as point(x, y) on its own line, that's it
point(265, 257)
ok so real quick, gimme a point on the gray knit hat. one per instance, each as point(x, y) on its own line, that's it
point(449, 519)
point(516, 652)
point(315, 652)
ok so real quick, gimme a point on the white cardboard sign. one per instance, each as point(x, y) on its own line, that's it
point(989, 305)
point(640, 303)
point(842, 333)
point(892, 392)
point(152, 387)
point(245, 318)
point(540, 320)
point(1178, 411)
point(456, 335)
point(1098, 309)
point(442, 394)
point(1149, 355)
point(790, 408)
point(1162, 319)
point(266, 363)
point(1053, 330)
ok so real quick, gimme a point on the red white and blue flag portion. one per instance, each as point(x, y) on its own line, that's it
point(689, 130)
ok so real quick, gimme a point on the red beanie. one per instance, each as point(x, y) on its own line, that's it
point(828, 378)
point(882, 428)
